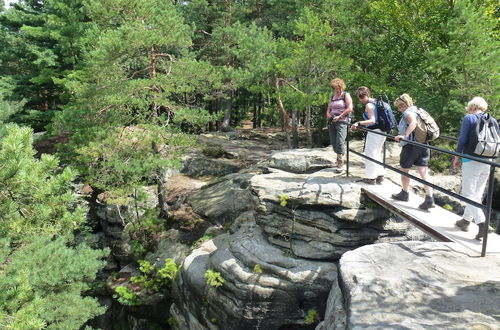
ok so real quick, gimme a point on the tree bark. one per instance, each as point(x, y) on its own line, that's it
point(227, 116)
point(295, 130)
point(308, 127)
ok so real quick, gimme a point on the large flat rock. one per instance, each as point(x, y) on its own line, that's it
point(415, 285)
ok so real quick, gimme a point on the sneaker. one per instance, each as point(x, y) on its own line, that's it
point(379, 179)
point(403, 196)
point(480, 231)
point(463, 224)
point(427, 204)
point(367, 181)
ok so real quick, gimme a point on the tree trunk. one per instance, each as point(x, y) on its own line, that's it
point(259, 111)
point(285, 121)
point(255, 114)
point(308, 127)
point(227, 116)
point(295, 130)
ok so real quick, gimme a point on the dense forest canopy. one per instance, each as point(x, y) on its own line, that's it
point(129, 82)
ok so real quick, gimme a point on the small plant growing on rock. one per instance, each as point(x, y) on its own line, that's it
point(126, 297)
point(448, 207)
point(283, 200)
point(214, 279)
point(172, 321)
point(155, 280)
point(202, 240)
point(257, 269)
point(312, 316)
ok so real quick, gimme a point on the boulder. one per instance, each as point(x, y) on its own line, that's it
point(197, 164)
point(225, 199)
point(302, 160)
point(263, 288)
point(415, 285)
point(322, 188)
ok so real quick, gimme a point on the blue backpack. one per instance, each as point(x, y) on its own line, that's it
point(385, 118)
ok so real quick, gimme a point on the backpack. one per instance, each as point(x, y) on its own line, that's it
point(385, 118)
point(486, 137)
point(426, 129)
point(350, 116)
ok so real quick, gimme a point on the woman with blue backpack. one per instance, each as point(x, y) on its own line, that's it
point(337, 115)
point(475, 174)
point(374, 143)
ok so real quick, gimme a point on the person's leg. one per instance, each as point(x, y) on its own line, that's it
point(405, 181)
point(332, 132)
point(482, 173)
point(340, 137)
point(429, 198)
point(373, 148)
point(424, 174)
point(469, 184)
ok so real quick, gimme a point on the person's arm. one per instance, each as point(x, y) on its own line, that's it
point(463, 138)
point(348, 105)
point(411, 119)
point(370, 110)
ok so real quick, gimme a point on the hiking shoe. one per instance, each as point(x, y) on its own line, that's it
point(379, 179)
point(463, 224)
point(368, 181)
point(427, 204)
point(480, 231)
point(340, 165)
point(403, 196)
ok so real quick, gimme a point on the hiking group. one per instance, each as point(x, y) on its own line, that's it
point(479, 137)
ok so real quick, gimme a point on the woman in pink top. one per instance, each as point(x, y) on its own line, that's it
point(337, 114)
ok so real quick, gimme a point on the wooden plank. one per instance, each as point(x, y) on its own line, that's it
point(437, 222)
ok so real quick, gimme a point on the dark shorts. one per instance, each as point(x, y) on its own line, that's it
point(414, 155)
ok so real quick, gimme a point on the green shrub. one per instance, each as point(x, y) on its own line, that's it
point(312, 316)
point(155, 280)
point(214, 279)
point(126, 297)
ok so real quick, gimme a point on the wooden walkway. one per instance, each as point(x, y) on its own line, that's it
point(437, 222)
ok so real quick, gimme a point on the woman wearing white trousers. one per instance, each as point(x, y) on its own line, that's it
point(474, 174)
point(374, 143)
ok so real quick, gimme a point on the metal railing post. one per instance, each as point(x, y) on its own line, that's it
point(489, 201)
point(347, 152)
point(385, 145)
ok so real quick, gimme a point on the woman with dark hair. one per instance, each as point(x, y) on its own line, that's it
point(374, 143)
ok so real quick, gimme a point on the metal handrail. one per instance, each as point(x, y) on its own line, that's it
point(486, 208)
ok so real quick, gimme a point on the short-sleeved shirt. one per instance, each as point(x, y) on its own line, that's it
point(338, 105)
point(403, 125)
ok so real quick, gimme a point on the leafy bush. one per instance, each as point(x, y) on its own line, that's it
point(155, 280)
point(214, 279)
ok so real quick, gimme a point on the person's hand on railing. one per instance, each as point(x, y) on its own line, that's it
point(355, 126)
point(397, 138)
point(455, 163)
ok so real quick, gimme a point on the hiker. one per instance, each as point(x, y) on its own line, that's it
point(474, 174)
point(337, 115)
point(374, 143)
point(411, 154)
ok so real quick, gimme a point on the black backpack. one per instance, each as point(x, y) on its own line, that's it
point(385, 117)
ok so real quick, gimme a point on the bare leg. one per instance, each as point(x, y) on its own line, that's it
point(405, 181)
point(424, 174)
